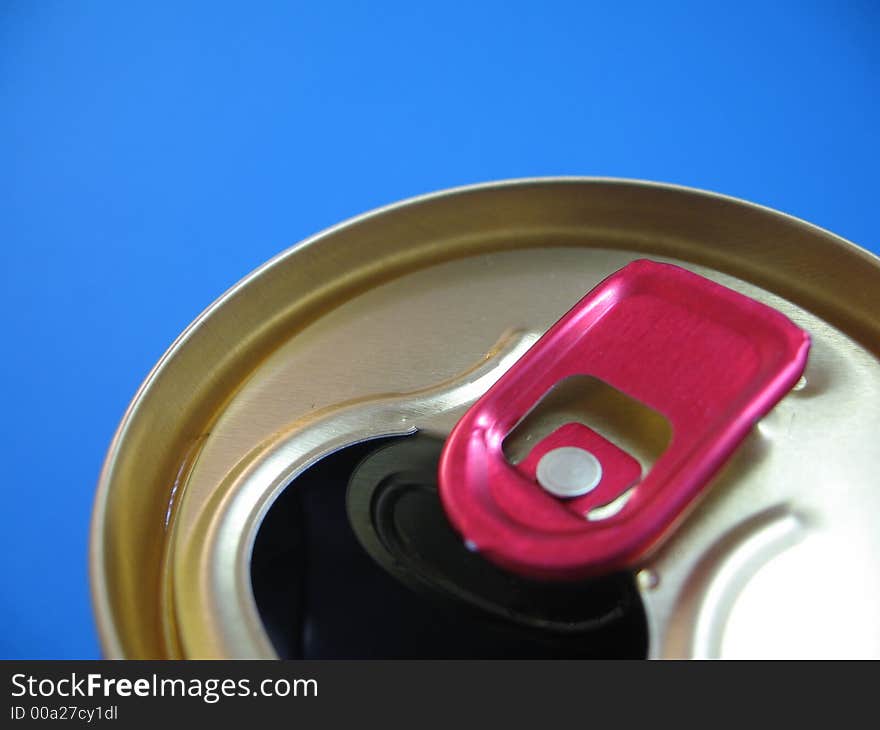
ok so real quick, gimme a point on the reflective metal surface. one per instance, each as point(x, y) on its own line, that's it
point(401, 318)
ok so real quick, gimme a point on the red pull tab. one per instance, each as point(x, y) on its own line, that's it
point(710, 360)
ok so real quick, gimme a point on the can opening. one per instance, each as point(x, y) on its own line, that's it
point(356, 559)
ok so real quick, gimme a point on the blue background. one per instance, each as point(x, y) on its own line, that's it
point(151, 154)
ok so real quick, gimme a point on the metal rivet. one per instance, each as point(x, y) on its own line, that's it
point(569, 471)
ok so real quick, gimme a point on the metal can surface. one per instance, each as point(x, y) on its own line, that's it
point(236, 513)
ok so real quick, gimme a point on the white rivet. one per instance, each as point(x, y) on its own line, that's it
point(569, 471)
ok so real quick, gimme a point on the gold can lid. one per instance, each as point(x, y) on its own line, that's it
point(398, 320)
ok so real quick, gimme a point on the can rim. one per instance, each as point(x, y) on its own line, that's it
point(108, 632)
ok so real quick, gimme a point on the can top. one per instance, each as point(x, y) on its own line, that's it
point(397, 321)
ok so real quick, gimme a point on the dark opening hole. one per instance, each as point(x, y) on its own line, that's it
point(374, 570)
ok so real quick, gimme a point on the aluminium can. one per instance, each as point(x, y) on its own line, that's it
point(245, 474)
